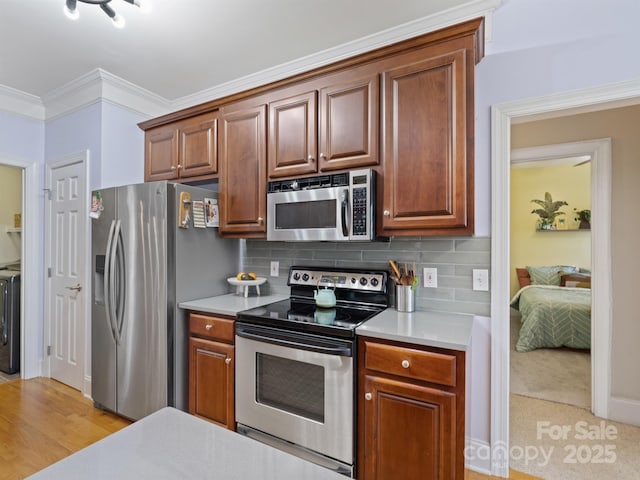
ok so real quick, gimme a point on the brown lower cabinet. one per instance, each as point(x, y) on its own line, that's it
point(211, 369)
point(411, 412)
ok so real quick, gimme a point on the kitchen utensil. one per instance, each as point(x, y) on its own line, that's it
point(325, 298)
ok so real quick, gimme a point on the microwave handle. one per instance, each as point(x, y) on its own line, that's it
point(345, 213)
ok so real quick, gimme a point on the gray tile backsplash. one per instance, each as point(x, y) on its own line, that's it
point(454, 257)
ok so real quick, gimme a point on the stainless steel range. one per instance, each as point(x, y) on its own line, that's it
point(295, 364)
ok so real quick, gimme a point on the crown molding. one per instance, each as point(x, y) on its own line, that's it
point(446, 18)
point(98, 85)
point(21, 103)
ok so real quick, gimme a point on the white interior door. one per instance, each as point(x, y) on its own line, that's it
point(67, 217)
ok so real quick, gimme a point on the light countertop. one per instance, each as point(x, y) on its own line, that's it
point(170, 444)
point(431, 329)
point(230, 304)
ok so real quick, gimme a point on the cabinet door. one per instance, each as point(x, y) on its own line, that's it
point(409, 432)
point(199, 146)
point(428, 169)
point(211, 381)
point(161, 153)
point(243, 179)
point(292, 136)
point(348, 134)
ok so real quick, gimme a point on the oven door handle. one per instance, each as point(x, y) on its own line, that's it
point(285, 340)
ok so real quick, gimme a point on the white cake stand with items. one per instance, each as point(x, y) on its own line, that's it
point(245, 284)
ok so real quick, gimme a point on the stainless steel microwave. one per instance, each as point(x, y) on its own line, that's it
point(335, 207)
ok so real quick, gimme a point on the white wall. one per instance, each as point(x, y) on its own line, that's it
point(122, 146)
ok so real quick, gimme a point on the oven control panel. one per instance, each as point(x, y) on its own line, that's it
point(350, 280)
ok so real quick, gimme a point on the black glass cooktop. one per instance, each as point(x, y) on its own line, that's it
point(340, 321)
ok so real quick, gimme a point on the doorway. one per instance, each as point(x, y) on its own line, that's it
point(11, 187)
point(502, 118)
point(551, 359)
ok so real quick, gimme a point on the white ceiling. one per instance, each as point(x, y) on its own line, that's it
point(184, 46)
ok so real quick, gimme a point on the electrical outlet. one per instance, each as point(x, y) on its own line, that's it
point(275, 269)
point(431, 278)
point(481, 280)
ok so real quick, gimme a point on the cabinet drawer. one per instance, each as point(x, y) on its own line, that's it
point(211, 327)
point(407, 362)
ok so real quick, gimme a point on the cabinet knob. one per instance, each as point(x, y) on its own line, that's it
point(173, 167)
point(227, 360)
point(405, 363)
point(368, 396)
point(311, 159)
point(260, 220)
point(386, 213)
point(208, 327)
point(322, 155)
point(179, 166)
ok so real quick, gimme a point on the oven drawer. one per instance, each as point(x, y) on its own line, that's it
point(214, 328)
point(408, 362)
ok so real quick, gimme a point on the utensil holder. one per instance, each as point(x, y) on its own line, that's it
point(405, 298)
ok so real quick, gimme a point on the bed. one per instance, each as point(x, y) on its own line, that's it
point(555, 308)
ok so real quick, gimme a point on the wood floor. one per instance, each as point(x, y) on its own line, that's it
point(43, 421)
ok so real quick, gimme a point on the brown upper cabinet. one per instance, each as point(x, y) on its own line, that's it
point(292, 135)
point(406, 110)
point(243, 179)
point(182, 150)
point(330, 129)
point(427, 104)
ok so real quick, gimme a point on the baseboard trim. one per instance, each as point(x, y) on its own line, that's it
point(625, 410)
point(86, 386)
point(477, 456)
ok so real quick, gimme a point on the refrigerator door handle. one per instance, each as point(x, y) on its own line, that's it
point(122, 284)
point(108, 275)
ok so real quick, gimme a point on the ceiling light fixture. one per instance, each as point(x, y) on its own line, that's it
point(71, 9)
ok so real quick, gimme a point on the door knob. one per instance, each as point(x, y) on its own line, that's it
point(77, 288)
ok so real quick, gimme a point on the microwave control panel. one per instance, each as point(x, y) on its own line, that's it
point(361, 193)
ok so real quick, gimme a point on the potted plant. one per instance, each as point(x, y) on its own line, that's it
point(548, 212)
point(584, 217)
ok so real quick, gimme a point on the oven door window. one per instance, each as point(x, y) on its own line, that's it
point(290, 385)
point(311, 214)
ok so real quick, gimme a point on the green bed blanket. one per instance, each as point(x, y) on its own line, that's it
point(553, 317)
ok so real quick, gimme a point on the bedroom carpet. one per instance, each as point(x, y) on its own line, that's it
point(611, 450)
point(555, 374)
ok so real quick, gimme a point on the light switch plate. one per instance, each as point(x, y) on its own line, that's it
point(481, 280)
point(431, 278)
point(275, 269)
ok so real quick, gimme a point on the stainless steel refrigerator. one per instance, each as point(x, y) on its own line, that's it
point(144, 264)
